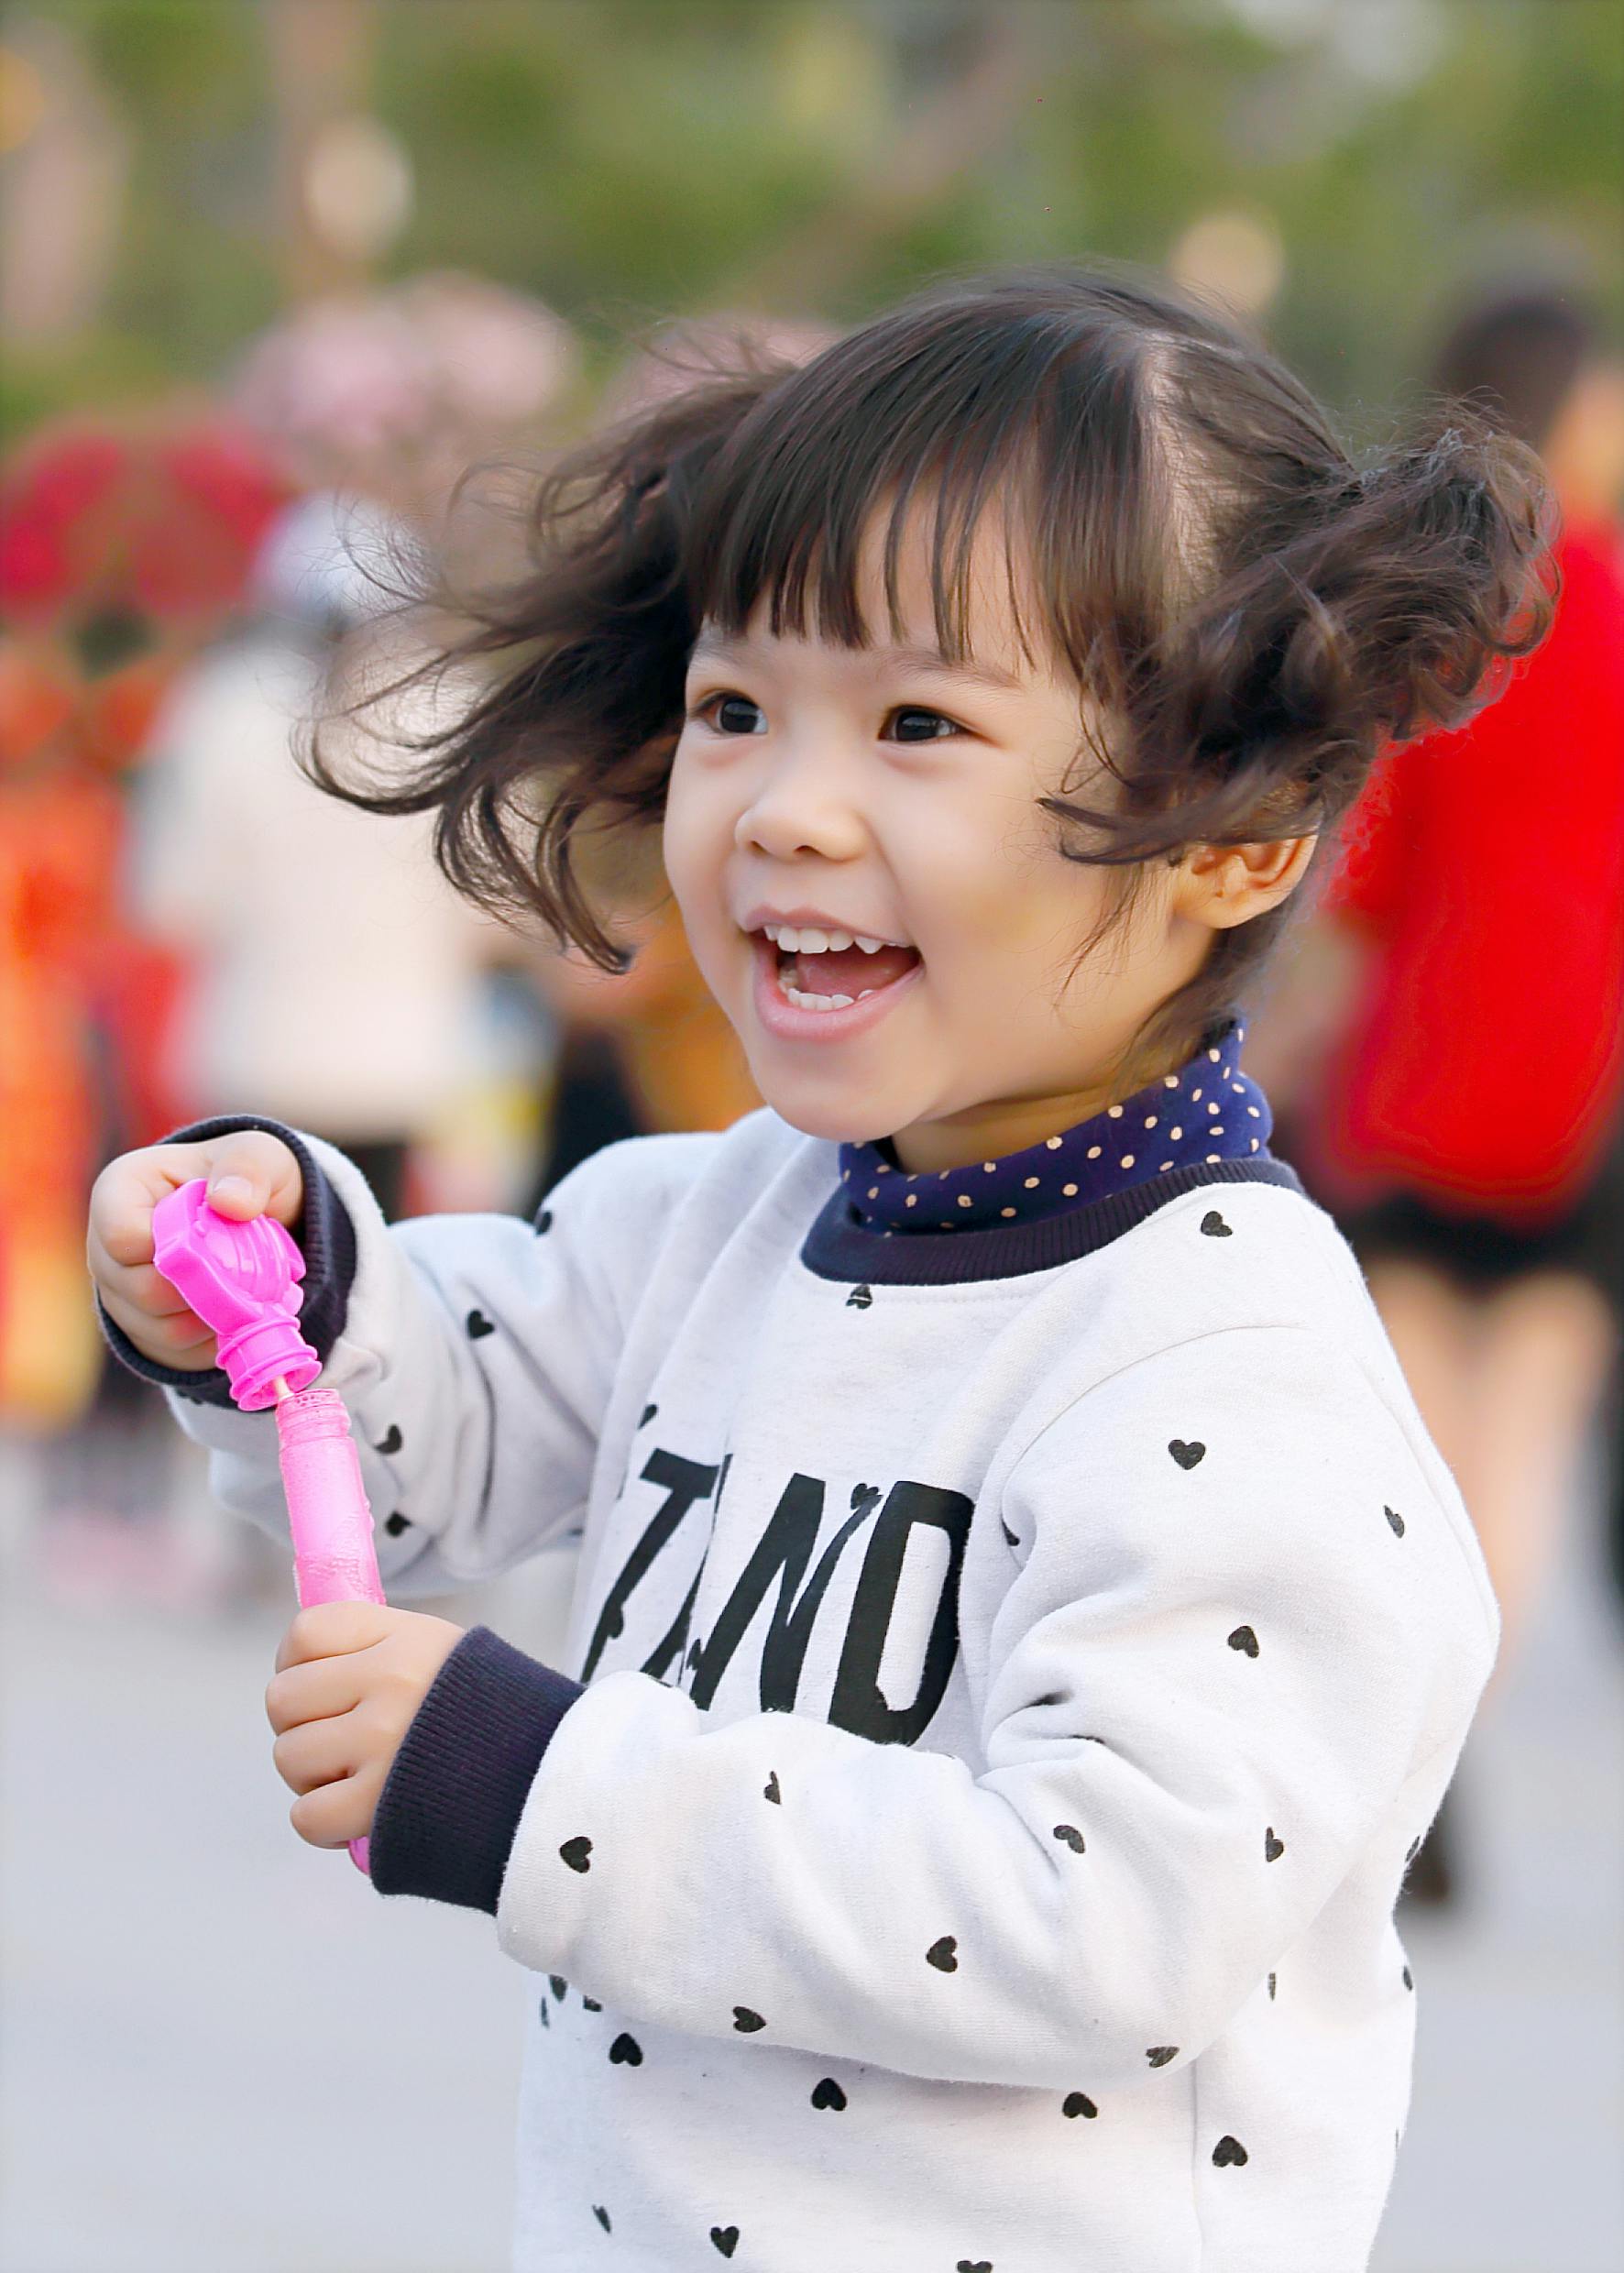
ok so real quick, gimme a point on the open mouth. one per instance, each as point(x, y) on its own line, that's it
point(828, 971)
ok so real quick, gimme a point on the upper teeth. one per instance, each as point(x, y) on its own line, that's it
point(811, 941)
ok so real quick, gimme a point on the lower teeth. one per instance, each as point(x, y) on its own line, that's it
point(825, 1002)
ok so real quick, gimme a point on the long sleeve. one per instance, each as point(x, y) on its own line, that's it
point(476, 1354)
point(1215, 1671)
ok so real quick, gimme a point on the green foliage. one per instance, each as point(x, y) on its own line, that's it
point(625, 158)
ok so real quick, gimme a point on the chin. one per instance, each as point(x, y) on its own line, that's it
point(828, 1121)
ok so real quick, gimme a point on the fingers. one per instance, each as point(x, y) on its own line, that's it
point(318, 1689)
point(337, 1764)
point(319, 1753)
point(326, 1629)
point(333, 1813)
point(178, 1339)
point(249, 1172)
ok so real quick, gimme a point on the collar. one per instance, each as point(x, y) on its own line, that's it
point(1205, 1113)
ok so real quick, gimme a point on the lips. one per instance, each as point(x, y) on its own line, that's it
point(794, 1021)
point(775, 921)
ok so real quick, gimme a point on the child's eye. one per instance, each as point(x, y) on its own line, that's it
point(912, 710)
point(723, 703)
point(719, 703)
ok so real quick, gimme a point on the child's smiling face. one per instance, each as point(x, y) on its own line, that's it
point(830, 788)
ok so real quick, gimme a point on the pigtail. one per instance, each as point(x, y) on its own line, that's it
point(1355, 612)
point(1350, 612)
point(573, 735)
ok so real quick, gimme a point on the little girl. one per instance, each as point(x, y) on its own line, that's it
point(1022, 1629)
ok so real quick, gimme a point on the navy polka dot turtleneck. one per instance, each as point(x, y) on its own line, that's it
point(1208, 1110)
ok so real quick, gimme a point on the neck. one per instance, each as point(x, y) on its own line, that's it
point(1004, 1124)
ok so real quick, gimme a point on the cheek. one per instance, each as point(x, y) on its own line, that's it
point(695, 839)
point(995, 888)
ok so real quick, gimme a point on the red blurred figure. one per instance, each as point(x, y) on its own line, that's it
point(122, 549)
point(1463, 1125)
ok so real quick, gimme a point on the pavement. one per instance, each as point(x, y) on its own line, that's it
point(224, 2054)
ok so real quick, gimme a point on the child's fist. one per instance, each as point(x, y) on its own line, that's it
point(349, 1679)
point(249, 1173)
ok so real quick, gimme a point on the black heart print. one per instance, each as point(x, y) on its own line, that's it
point(724, 2239)
point(1158, 2055)
point(627, 2049)
point(1187, 1454)
point(1077, 2103)
point(1215, 1227)
point(863, 1497)
point(1071, 1835)
point(770, 1789)
point(1245, 1639)
point(392, 1441)
point(601, 2214)
point(745, 2021)
point(1396, 1520)
point(543, 1222)
point(479, 1325)
point(647, 1416)
point(1009, 1538)
point(979, 2265)
point(591, 2004)
point(1272, 1847)
point(556, 1982)
point(859, 1298)
point(397, 1523)
point(1228, 2150)
point(829, 2094)
point(575, 1851)
point(942, 1954)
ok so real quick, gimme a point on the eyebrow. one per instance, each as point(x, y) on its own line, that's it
point(926, 659)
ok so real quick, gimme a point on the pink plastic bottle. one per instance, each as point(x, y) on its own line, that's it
point(243, 1280)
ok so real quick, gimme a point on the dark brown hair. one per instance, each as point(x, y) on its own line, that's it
point(1252, 614)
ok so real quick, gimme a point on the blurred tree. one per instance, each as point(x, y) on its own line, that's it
point(626, 159)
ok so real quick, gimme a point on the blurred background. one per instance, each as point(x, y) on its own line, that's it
point(272, 274)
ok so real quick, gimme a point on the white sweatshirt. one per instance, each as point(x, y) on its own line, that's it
point(1018, 1668)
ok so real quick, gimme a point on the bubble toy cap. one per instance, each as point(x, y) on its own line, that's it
point(242, 1280)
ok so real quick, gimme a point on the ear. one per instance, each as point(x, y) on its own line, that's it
point(1222, 886)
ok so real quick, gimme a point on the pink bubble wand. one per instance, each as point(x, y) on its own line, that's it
point(242, 1278)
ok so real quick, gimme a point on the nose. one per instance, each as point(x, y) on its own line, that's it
point(802, 806)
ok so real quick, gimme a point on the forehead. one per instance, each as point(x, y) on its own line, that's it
point(911, 625)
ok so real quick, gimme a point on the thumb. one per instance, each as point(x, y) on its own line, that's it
point(253, 1174)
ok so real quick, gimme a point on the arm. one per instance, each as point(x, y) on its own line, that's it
point(475, 1354)
point(1163, 1812)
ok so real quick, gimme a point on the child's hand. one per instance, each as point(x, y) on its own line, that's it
point(249, 1173)
point(349, 1679)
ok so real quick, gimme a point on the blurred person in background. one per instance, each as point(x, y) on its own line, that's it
point(323, 964)
point(1448, 1043)
point(334, 970)
point(124, 545)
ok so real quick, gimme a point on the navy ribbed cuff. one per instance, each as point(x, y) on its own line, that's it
point(452, 1800)
point(324, 1236)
